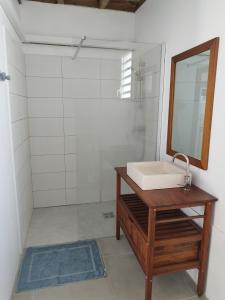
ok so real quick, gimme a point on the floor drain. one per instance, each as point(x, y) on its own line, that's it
point(109, 215)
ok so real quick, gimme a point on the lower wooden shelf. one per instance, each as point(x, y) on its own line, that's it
point(177, 243)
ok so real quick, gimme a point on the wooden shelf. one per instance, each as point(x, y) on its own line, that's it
point(164, 231)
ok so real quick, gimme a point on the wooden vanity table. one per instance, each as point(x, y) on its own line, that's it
point(163, 238)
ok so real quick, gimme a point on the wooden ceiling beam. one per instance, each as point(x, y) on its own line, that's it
point(140, 2)
point(123, 5)
point(103, 3)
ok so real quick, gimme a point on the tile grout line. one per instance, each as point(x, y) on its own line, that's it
point(64, 135)
point(29, 137)
point(100, 152)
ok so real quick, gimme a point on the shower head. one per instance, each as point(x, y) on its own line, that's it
point(78, 47)
point(137, 74)
point(134, 70)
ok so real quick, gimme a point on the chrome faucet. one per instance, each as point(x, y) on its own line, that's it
point(187, 177)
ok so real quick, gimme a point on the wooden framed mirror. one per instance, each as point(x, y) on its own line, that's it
point(192, 84)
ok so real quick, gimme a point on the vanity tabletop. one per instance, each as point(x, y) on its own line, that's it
point(167, 198)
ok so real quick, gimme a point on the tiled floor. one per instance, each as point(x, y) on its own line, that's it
point(125, 280)
point(63, 224)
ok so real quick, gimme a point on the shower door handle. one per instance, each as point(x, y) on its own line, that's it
point(4, 77)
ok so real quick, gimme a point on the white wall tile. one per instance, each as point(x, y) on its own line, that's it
point(46, 126)
point(152, 59)
point(88, 170)
point(70, 126)
point(72, 197)
point(48, 163)
point(151, 85)
point(23, 179)
point(18, 106)
point(71, 162)
point(22, 155)
point(48, 181)
point(108, 179)
point(43, 65)
point(70, 144)
point(88, 195)
point(20, 132)
point(49, 198)
point(88, 125)
point(81, 68)
point(110, 69)
point(44, 87)
point(109, 89)
point(70, 108)
point(81, 88)
point(88, 143)
point(17, 83)
point(74, 108)
point(45, 107)
point(46, 145)
point(15, 55)
point(25, 200)
point(71, 180)
point(77, 196)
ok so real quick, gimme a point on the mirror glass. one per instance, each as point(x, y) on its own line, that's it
point(189, 104)
point(192, 84)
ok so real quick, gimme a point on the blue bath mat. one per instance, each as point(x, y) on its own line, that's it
point(60, 264)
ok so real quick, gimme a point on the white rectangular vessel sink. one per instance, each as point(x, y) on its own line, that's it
point(151, 175)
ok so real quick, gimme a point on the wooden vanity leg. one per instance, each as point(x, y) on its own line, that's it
point(148, 288)
point(150, 254)
point(118, 192)
point(204, 250)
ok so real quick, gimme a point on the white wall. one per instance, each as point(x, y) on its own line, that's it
point(16, 192)
point(72, 21)
point(12, 10)
point(10, 245)
point(11, 7)
point(182, 25)
point(20, 130)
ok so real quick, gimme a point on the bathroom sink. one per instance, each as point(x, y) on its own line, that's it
point(151, 175)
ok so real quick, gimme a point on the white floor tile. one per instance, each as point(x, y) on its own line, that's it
point(110, 246)
point(91, 222)
point(99, 289)
point(127, 277)
point(53, 225)
point(70, 223)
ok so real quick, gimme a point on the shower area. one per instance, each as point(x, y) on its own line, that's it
point(91, 108)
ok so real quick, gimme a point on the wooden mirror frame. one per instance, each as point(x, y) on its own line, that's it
point(213, 46)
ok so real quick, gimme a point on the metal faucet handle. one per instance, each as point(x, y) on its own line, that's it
point(187, 183)
point(187, 179)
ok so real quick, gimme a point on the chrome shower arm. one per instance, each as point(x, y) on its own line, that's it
point(78, 47)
